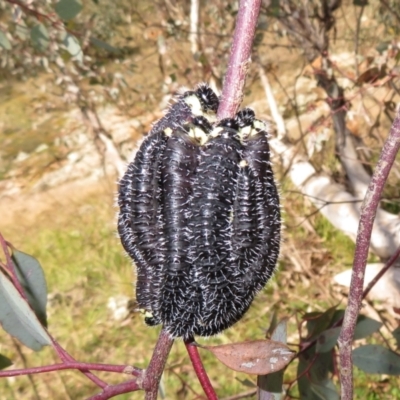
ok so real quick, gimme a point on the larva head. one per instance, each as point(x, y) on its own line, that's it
point(226, 128)
point(245, 117)
point(208, 99)
point(202, 102)
point(199, 130)
point(249, 126)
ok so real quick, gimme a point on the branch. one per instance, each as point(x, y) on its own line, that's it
point(156, 367)
point(200, 371)
point(72, 365)
point(239, 59)
point(368, 212)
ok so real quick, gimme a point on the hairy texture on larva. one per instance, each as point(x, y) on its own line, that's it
point(200, 216)
point(139, 222)
point(177, 295)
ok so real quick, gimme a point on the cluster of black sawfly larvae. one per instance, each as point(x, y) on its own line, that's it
point(200, 216)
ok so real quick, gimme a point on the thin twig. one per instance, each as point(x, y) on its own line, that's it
point(200, 371)
point(368, 212)
point(72, 365)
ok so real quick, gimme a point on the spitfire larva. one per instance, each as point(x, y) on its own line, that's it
point(200, 216)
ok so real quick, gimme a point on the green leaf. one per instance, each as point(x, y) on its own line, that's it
point(4, 362)
point(319, 367)
point(324, 390)
point(33, 281)
point(366, 326)
point(271, 384)
point(103, 45)
point(4, 42)
point(376, 359)
point(73, 47)
point(22, 31)
point(40, 37)
point(396, 335)
point(327, 340)
point(68, 9)
point(17, 317)
point(319, 322)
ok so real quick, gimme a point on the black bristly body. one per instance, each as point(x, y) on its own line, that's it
point(177, 305)
point(140, 221)
point(200, 216)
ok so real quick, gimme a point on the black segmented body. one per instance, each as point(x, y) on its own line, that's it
point(200, 216)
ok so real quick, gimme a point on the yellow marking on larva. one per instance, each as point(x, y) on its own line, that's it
point(168, 132)
point(194, 103)
point(199, 135)
point(216, 132)
point(211, 116)
point(243, 164)
point(258, 126)
point(244, 132)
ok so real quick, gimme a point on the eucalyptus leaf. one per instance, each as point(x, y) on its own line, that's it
point(73, 47)
point(396, 335)
point(365, 327)
point(103, 45)
point(4, 42)
point(270, 386)
point(18, 319)
point(324, 390)
point(40, 37)
point(22, 31)
point(327, 340)
point(30, 274)
point(376, 359)
point(68, 9)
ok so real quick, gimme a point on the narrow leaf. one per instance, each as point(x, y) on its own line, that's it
point(4, 42)
point(365, 327)
point(4, 362)
point(22, 31)
point(68, 9)
point(103, 45)
point(259, 357)
point(376, 359)
point(40, 37)
point(18, 319)
point(33, 281)
point(396, 335)
point(270, 386)
point(327, 340)
point(319, 322)
point(324, 390)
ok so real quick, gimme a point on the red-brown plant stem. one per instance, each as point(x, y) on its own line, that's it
point(379, 275)
point(156, 367)
point(239, 59)
point(115, 390)
point(72, 365)
point(200, 371)
point(368, 212)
